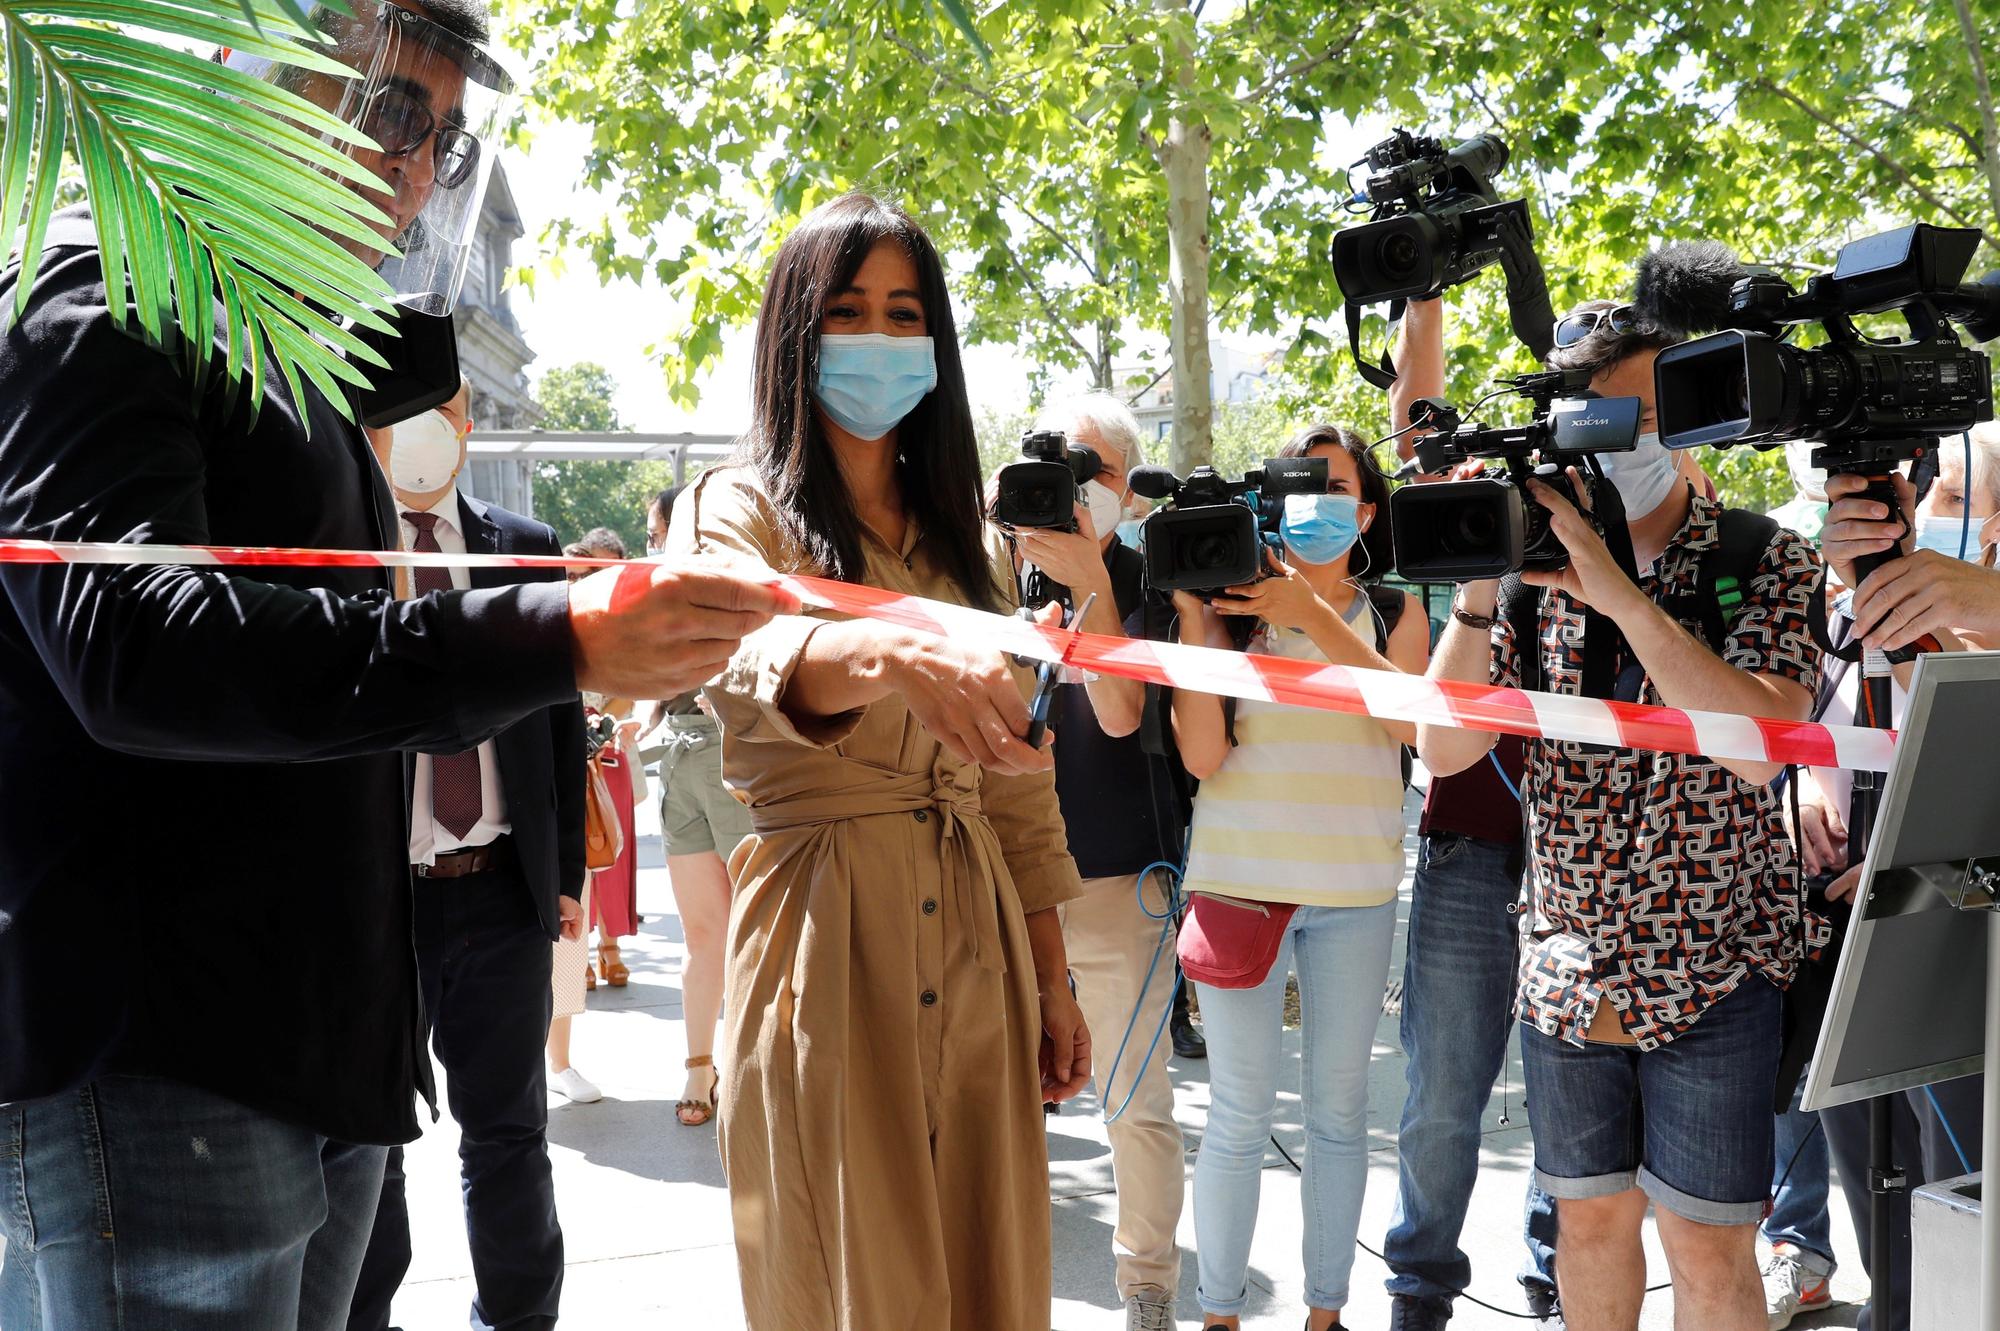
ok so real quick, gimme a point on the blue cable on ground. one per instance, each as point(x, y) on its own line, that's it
point(1949, 1135)
point(1172, 898)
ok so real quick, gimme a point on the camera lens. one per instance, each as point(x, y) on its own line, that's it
point(1472, 530)
point(1400, 254)
point(1206, 552)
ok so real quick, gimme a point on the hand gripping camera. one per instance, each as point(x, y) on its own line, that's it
point(1459, 531)
point(1437, 221)
point(1214, 533)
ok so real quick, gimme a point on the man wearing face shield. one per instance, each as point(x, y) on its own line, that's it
point(1664, 905)
point(199, 1128)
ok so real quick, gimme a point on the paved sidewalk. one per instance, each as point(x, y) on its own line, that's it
point(647, 1221)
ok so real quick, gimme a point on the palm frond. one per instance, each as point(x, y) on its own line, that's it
point(206, 185)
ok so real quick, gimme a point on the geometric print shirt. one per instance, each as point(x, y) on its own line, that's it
point(1660, 882)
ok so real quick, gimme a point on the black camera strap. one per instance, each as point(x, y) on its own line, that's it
point(1384, 375)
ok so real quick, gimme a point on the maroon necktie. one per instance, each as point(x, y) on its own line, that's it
point(456, 799)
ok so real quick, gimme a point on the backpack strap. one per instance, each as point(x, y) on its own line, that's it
point(1728, 568)
point(1521, 608)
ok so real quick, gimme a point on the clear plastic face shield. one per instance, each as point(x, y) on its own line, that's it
point(433, 101)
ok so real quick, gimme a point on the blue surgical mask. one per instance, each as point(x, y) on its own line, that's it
point(1943, 535)
point(1128, 532)
point(1320, 528)
point(869, 381)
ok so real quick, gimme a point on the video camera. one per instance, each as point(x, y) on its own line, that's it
point(1213, 534)
point(1459, 531)
point(1869, 404)
point(1437, 221)
point(1044, 492)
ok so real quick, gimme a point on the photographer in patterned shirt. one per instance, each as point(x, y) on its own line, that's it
point(1665, 912)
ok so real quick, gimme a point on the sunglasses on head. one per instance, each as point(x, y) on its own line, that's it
point(1623, 319)
point(402, 124)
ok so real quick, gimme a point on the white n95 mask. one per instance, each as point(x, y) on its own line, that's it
point(423, 453)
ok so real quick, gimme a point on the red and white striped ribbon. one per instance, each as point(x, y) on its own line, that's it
point(1383, 694)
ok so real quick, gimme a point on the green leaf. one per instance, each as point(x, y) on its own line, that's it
point(955, 11)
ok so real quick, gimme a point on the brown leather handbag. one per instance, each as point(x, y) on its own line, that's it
point(603, 834)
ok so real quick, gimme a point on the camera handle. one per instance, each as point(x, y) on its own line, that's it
point(1881, 489)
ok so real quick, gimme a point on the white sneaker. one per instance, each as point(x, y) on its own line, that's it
point(1795, 1281)
point(576, 1086)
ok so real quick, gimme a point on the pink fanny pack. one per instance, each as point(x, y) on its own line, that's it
point(1229, 943)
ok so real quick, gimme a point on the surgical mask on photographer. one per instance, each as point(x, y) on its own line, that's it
point(1106, 507)
point(869, 381)
point(423, 453)
point(1644, 477)
point(1320, 528)
point(1945, 535)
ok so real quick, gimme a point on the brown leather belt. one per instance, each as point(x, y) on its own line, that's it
point(462, 863)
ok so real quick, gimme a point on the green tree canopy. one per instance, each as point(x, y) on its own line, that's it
point(574, 497)
point(1096, 166)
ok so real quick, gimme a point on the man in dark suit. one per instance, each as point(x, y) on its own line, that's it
point(200, 771)
point(496, 859)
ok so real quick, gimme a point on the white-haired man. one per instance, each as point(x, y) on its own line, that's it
point(1121, 801)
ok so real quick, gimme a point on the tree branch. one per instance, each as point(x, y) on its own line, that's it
point(1060, 237)
point(1055, 318)
point(1991, 152)
point(1896, 168)
point(1300, 67)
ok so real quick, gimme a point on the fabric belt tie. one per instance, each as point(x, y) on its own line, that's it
point(970, 852)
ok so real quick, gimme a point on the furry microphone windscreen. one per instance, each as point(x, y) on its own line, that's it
point(1683, 287)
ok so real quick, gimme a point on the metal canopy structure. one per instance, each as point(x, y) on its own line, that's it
point(530, 446)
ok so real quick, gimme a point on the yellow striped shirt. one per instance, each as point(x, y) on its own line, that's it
point(1308, 805)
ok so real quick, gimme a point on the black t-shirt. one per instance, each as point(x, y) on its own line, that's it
point(1117, 800)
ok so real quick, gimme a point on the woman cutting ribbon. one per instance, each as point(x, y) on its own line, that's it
point(895, 957)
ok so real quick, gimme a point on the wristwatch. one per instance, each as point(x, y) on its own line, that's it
point(1483, 623)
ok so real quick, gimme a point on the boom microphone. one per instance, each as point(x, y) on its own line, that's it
point(1152, 482)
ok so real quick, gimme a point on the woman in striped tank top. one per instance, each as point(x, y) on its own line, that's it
point(1301, 807)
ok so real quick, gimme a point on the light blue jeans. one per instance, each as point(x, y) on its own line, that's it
point(1341, 955)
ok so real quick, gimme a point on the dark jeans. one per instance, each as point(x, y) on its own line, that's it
point(1458, 1000)
point(1924, 1152)
point(1800, 1182)
point(485, 963)
point(149, 1205)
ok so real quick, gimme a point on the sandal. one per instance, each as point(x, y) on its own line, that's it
point(616, 972)
point(697, 1113)
point(589, 977)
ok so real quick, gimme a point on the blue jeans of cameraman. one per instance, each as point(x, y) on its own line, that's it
point(1458, 1011)
point(1800, 1183)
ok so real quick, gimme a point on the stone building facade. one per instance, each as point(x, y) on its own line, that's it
point(492, 352)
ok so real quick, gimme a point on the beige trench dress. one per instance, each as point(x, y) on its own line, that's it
point(881, 1120)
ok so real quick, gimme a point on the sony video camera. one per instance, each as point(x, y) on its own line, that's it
point(1437, 221)
point(1869, 404)
point(1459, 531)
point(1213, 534)
point(1045, 491)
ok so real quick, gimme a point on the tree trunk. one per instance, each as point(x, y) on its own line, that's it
point(1185, 157)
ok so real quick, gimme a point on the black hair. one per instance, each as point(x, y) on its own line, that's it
point(597, 538)
point(938, 453)
point(1679, 290)
point(1377, 541)
point(664, 501)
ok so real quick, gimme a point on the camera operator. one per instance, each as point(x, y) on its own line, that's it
point(1665, 902)
point(1123, 809)
point(1458, 983)
point(1930, 1125)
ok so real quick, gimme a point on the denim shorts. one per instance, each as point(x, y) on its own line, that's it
point(1689, 1122)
